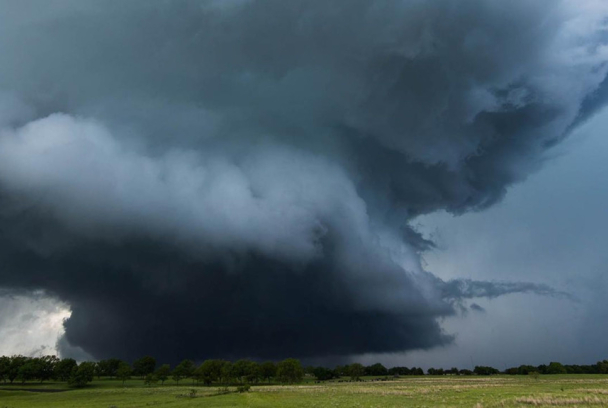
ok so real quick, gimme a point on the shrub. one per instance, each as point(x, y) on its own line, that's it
point(244, 388)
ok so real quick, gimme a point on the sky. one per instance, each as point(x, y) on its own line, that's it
point(417, 183)
point(552, 228)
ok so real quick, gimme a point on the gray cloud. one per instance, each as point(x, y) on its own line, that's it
point(470, 289)
point(245, 173)
point(477, 308)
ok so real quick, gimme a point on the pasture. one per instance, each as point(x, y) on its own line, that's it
point(427, 391)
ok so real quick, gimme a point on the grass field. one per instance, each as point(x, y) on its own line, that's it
point(496, 391)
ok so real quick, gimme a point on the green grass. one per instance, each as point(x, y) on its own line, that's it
point(496, 391)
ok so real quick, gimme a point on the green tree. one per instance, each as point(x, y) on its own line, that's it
point(556, 368)
point(163, 373)
point(210, 371)
point(290, 371)
point(483, 370)
point(124, 372)
point(108, 368)
point(5, 363)
point(63, 369)
point(247, 371)
point(228, 375)
point(199, 376)
point(144, 366)
point(46, 367)
point(322, 373)
point(268, 370)
point(525, 369)
point(240, 369)
point(340, 371)
point(15, 363)
point(356, 371)
point(602, 367)
point(183, 370)
point(28, 370)
point(453, 371)
point(254, 373)
point(82, 375)
point(150, 379)
point(376, 369)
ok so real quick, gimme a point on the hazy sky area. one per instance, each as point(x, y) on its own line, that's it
point(412, 182)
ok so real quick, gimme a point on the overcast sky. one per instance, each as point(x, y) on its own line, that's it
point(268, 179)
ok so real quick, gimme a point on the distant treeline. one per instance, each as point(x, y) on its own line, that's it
point(289, 371)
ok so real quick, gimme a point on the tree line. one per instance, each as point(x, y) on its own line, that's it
point(601, 367)
point(289, 371)
point(26, 369)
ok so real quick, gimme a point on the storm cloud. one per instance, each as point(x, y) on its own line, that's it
point(239, 178)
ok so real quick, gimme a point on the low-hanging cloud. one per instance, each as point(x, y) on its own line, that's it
point(239, 178)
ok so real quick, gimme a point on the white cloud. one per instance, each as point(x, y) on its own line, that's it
point(31, 324)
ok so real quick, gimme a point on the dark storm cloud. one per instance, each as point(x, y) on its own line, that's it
point(238, 178)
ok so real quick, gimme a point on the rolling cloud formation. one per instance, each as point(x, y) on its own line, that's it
point(238, 178)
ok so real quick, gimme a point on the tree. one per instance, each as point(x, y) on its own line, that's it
point(144, 366)
point(356, 371)
point(210, 371)
point(290, 371)
point(37, 368)
point(82, 375)
point(525, 369)
point(435, 371)
point(124, 372)
point(227, 372)
point(247, 370)
point(5, 363)
point(483, 370)
point(397, 371)
point(28, 370)
point(46, 367)
point(150, 379)
point(201, 376)
point(63, 369)
point(376, 369)
point(322, 373)
point(184, 369)
point(241, 369)
point(268, 370)
point(15, 363)
point(340, 371)
point(556, 368)
point(453, 371)
point(108, 367)
point(163, 373)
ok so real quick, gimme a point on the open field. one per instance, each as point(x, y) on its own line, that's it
point(495, 391)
